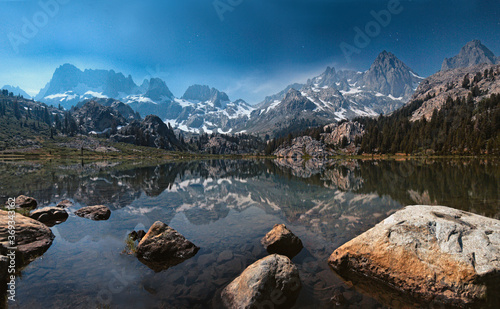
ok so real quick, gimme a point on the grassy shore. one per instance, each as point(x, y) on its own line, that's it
point(85, 148)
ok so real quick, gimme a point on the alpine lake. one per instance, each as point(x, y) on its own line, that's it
point(225, 207)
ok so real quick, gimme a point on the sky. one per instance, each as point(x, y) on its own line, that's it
point(247, 48)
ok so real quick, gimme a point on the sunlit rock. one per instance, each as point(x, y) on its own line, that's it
point(281, 240)
point(271, 282)
point(434, 253)
point(163, 247)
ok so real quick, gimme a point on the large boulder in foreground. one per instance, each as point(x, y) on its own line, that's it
point(97, 213)
point(433, 253)
point(281, 240)
point(163, 247)
point(271, 282)
point(32, 237)
point(49, 215)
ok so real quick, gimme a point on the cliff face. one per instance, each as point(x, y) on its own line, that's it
point(303, 146)
point(349, 130)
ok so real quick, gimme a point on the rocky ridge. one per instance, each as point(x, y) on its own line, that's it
point(336, 95)
point(436, 89)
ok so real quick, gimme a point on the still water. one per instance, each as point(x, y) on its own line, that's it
point(225, 207)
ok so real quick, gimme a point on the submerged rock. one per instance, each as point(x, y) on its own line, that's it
point(97, 213)
point(433, 253)
point(281, 240)
point(23, 201)
point(163, 247)
point(271, 282)
point(49, 214)
point(64, 204)
point(33, 238)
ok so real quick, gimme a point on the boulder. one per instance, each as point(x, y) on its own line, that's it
point(33, 238)
point(49, 214)
point(97, 213)
point(64, 204)
point(163, 247)
point(433, 253)
point(271, 282)
point(23, 201)
point(281, 240)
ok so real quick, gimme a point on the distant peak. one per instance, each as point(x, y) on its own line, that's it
point(204, 93)
point(474, 43)
point(197, 92)
point(157, 89)
point(67, 67)
point(386, 54)
point(472, 53)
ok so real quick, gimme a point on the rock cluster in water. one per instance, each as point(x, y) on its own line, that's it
point(271, 282)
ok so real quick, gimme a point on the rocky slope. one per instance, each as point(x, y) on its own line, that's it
point(335, 95)
point(93, 118)
point(337, 132)
point(151, 131)
point(435, 90)
point(472, 54)
point(125, 110)
point(302, 147)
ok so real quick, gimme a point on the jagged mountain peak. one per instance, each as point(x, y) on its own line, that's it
point(391, 76)
point(204, 93)
point(386, 61)
point(473, 53)
point(197, 92)
point(68, 68)
point(294, 100)
point(157, 90)
point(69, 85)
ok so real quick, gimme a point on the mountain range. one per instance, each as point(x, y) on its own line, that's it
point(332, 96)
point(16, 91)
point(336, 95)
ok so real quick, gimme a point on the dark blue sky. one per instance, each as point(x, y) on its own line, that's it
point(257, 49)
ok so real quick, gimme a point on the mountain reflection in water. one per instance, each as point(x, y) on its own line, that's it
point(224, 207)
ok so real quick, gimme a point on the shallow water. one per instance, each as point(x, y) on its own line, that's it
point(224, 207)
